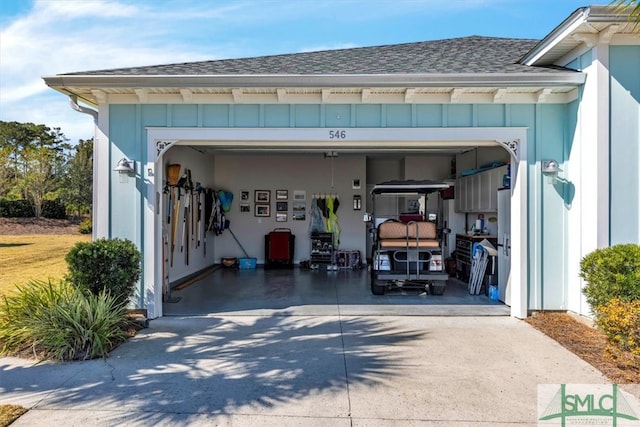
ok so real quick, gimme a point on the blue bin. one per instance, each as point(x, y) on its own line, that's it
point(247, 263)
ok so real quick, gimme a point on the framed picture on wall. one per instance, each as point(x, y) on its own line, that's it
point(244, 195)
point(262, 210)
point(245, 207)
point(282, 194)
point(281, 217)
point(282, 206)
point(262, 196)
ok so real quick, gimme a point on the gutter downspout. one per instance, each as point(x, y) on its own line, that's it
point(73, 100)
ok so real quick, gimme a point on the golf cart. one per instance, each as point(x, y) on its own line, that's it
point(407, 250)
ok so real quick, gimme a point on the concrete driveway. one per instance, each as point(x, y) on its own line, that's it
point(292, 370)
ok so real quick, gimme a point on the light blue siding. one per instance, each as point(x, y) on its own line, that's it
point(184, 115)
point(307, 116)
point(430, 115)
point(459, 115)
point(399, 115)
point(624, 64)
point(550, 144)
point(215, 115)
point(368, 116)
point(277, 116)
point(246, 116)
point(491, 115)
point(338, 116)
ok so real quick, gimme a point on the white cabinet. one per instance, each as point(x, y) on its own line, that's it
point(477, 193)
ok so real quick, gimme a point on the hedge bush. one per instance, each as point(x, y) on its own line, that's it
point(53, 209)
point(612, 272)
point(620, 320)
point(56, 320)
point(16, 209)
point(86, 226)
point(23, 209)
point(112, 265)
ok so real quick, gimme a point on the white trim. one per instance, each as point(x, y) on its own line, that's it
point(327, 96)
point(101, 175)
point(401, 137)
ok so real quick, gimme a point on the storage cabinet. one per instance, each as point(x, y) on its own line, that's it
point(477, 193)
point(464, 246)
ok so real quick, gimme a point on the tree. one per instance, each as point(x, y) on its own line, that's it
point(632, 7)
point(34, 157)
point(77, 188)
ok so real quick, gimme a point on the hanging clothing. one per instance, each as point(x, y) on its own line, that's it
point(332, 222)
point(316, 223)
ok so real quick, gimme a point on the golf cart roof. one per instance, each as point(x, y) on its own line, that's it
point(408, 187)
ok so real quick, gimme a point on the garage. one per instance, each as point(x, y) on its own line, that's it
point(278, 132)
point(293, 167)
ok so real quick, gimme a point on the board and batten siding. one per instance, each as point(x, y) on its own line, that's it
point(549, 130)
point(624, 66)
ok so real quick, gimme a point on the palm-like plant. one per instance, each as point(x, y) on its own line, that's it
point(629, 6)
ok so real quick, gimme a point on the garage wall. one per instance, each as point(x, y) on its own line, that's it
point(201, 167)
point(548, 132)
point(309, 172)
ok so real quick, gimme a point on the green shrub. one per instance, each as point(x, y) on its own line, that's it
point(612, 272)
point(59, 321)
point(16, 209)
point(112, 265)
point(620, 321)
point(53, 209)
point(86, 226)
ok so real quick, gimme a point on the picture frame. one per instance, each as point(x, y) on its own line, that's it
point(281, 217)
point(282, 194)
point(262, 210)
point(282, 206)
point(299, 195)
point(244, 195)
point(262, 196)
point(245, 207)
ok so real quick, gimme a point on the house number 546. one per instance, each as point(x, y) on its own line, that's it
point(337, 134)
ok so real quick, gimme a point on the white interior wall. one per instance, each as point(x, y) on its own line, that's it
point(309, 172)
point(201, 171)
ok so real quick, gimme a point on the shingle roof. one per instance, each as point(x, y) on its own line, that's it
point(474, 54)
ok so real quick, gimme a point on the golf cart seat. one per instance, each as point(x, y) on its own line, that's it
point(414, 234)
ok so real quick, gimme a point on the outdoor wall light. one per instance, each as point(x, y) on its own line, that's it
point(125, 166)
point(550, 169)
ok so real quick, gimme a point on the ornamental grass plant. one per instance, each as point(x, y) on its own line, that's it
point(56, 320)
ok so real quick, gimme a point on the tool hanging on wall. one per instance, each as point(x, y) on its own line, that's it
point(174, 224)
point(199, 190)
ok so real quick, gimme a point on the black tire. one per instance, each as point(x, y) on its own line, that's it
point(437, 288)
point(377, 289)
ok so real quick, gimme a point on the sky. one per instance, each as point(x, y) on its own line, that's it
point(48, 37)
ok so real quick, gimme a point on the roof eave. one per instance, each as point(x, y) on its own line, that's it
point(555, 78)
point(568, 26)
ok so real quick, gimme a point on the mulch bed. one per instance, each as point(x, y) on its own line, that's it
point(590, 344)
point(22, 226)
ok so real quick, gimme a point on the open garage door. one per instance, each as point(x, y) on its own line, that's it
point(372, 142)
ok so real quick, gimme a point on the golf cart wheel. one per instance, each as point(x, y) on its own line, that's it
point(375, 288)
point(437, 288)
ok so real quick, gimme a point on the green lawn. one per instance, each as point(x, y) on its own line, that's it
point(26, 257)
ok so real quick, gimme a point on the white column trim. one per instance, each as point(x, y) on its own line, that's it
point(101, 175)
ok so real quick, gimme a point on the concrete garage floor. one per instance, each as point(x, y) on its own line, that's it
point(303, 292)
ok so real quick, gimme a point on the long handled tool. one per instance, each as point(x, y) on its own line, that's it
point(246, 255)
point(174, 224)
